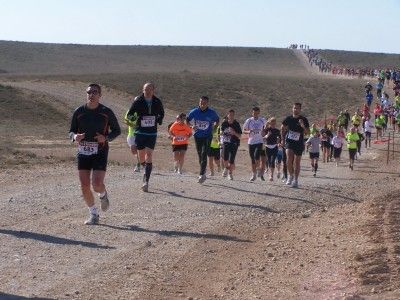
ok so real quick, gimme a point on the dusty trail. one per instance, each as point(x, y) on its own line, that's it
point(149, 244)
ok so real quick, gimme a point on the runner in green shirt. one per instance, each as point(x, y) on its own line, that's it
point(352, 137)
point(131, 122)
point(214, 153)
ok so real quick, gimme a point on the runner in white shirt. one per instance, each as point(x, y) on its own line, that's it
point(253, 127)
point(367, 132)
point(338, 142)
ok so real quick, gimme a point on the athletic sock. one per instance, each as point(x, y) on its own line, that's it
point(148, 168)
point(93, 210)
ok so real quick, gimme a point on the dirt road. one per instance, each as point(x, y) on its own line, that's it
point(227, 240)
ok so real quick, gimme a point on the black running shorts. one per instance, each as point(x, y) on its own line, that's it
point(93, 162)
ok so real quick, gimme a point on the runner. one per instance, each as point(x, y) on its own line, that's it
point(150, 112)
point(379, 122)
point(214, 152)
point(337, 142)
point(131, 138)
point(253, 127)
point(356, 119)
point(314, 142)
point(368, 132)
point(180, 133)
point(352, 137)
point(272, 140)
point(293, 129)
point(326, 136)
point(204, 118)
point(279, 158)
point(93, 126)
point(231, 133)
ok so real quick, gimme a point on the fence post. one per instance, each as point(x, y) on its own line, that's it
point(393, 147)
point(388, 150)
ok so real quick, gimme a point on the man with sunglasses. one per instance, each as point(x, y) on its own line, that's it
point(150, 112)
point(93, 125)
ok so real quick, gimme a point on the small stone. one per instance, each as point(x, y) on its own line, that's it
point(270, 254)
point(148, 244)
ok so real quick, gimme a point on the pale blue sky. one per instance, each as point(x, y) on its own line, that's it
point(363, 25)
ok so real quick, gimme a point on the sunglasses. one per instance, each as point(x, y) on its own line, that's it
point(94, 92)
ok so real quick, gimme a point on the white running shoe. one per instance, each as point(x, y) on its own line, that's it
point(225, 172)
point(295, 184)
point(137, 168)
point(254, 177)
point(230, 176)
point(289, 180)
point(93, 220)
point(180, 171)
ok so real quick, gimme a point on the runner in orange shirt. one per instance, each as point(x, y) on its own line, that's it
point(180, 133)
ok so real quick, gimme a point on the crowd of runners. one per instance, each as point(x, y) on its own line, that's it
point(275, 148)
point(325, 66)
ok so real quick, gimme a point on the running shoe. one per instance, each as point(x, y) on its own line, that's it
point(254, 177)
point(225, 172)
point(219, 168)
point(262, 178)
point(289, 180)
point(211, 173)
point(137, 168)
point(271, 178)
point(145, 187)
point(93, 220)
point(278, 175)
point(295, 184)
point(351, 167)
point(202, 178)
point(315, 174)
point(284, 179)
point(104, 202)
point(230, 177)
point(180, 171)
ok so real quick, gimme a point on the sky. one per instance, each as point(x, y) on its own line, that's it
point(358, 25)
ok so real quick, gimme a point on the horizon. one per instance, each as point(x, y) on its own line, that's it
point(200, 46)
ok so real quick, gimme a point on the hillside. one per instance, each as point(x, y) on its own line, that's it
point(361, 59)
point(41, 58)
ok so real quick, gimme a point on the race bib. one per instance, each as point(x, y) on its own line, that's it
point(255, 132)
point(293, 135)
point(202, 125)
point(88, 148)
point(148, 121)
point(180, 138)
point(226, 139)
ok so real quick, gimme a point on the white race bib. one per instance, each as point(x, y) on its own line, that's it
point(202, 125)
point(88, 148)
point(148, 121)
point(255, 132)
point(226, 138)
point(180, 138)
point(293, 135)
